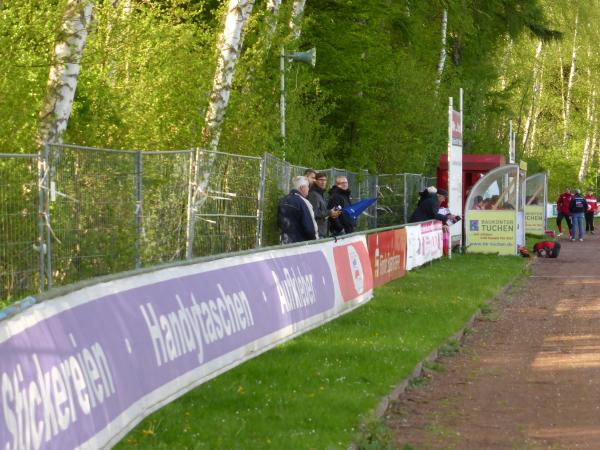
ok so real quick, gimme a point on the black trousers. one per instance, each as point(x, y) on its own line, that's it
point(559, 218)
point(589, 221)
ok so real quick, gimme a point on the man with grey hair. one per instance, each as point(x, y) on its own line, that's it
point(295, 215)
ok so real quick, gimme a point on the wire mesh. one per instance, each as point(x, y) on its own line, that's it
point(108, 210)
point(92, 212)
point(164, 199)
point(19, 235)
point(227, 217)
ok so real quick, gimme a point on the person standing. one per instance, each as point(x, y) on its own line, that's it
point(562, 208)
point(578, 207)
point(429, 206)
point(592, 208)
point(295, 215)
point(339, 198)
point(310, 175)
point(316, 197)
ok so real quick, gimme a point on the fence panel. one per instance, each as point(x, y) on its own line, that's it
point(92, 212)
point(114, 210)
point(19, 231)
point(227, 217)
point(164, 199)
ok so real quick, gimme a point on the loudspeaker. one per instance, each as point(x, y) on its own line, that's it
point(307, 57)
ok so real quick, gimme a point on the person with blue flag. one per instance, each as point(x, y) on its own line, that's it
point(340, 198)
point(356, 209)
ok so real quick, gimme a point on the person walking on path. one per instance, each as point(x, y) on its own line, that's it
point(578, 208)
point(592, 208)
point(562, 207)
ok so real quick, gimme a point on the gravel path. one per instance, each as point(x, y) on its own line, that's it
point(528, 373)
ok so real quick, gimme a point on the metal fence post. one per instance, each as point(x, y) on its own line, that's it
point(405, 200)
point(260, 211)
point(191, 210)
point(41, 240)
point(138, 207)
point(46, 187)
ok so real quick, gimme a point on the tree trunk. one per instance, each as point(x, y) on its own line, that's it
point(229, 47)
point(587, 147)
point(296, 19)
point(570, 84)
point(536, 115)
point(591, 120)
point(442, 62)
point(272, 17)
point(534, 95)
point(64, 72)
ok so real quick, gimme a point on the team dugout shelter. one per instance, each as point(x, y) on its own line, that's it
point(495, 211)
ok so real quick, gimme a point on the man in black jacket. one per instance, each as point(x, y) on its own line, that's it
point(316, 197)
point(339, 198)
point(429, 204)
point(295, 215)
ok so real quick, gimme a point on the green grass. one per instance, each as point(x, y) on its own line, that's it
point(315, 391)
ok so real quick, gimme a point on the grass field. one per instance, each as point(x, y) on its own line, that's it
point(313, 392)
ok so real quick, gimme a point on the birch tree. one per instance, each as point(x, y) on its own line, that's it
point(591, 120)
point(273, 14)
point(229, 50)
point(64, 72)
point(442, 62)
point(534, 95)
point(296, 19)
point(567, 103)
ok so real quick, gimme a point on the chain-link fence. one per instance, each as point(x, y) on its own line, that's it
point(73, 212)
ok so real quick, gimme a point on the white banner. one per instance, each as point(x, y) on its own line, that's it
point(424, 243)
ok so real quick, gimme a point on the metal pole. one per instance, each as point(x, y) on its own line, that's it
point(405, 201)
point(47, 215)
point(191, 210)
point(41, 175)
point(282, 98)
point(260, 211)
point(138, 207)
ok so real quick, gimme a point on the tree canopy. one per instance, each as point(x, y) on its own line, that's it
point(376, 99)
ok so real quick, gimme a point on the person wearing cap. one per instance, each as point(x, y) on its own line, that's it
point(429, 205)
point(577, 207)
point(295, 215)
point(592, 208)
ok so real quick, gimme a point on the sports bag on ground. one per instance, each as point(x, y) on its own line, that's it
point(547, 249)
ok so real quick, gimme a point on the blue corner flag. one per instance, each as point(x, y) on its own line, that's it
point(358, 208)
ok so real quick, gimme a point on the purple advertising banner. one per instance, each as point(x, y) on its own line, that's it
point(81, 370)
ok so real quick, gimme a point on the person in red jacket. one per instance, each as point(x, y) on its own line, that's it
point(562, 208)
point(592, 208)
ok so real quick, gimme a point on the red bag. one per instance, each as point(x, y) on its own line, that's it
point(547, 249)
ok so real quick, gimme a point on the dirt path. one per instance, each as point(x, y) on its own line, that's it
point(528, 374)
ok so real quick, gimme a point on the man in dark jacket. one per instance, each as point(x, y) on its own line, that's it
point(429, 205)
point(316, 197)
point(339, 198)
point(295, 216)
point(577, 207)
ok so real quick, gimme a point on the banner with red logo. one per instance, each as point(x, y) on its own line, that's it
point(387, 253)
point(424, 243)
point(82, 368)
point(353, 269)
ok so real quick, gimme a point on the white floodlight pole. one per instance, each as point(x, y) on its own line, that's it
point(282, 98)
